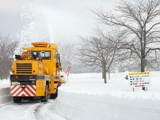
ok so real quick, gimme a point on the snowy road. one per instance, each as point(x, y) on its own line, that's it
point(30, 110)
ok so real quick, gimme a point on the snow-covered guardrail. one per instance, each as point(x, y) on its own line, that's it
point(4, 95)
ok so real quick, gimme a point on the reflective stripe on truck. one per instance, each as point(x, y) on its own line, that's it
point(23, 90)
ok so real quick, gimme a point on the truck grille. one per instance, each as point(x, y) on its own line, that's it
point(24, 68)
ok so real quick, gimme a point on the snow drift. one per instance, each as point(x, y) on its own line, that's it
point(4, 95)
point(85, 97)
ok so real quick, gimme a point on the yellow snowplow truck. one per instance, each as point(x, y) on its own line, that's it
point(36, 73)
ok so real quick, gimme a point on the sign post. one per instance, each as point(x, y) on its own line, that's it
point(139, 79)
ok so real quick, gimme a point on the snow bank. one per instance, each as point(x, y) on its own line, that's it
point(85, 97)
point(4, 91)
point(4, 83)
point(106, 107)
point(4, 95)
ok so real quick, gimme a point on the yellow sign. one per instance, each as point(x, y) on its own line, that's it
point(138, 73)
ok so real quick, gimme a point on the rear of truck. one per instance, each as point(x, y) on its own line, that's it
point(36, 77)
point(28, 80)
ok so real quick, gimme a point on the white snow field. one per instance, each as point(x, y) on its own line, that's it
point(86, 97)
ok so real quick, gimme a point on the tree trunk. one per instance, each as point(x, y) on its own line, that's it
point(105, 78)
point(143, 68)
point(104, 72)
point(104, 75)
point(109, 75)
point(143, 64)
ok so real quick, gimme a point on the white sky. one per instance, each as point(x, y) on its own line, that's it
point(72, 18)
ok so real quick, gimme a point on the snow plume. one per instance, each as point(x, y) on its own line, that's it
point(38, 25)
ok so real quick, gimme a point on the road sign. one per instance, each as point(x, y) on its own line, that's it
point(139, 79)
point(139, 73)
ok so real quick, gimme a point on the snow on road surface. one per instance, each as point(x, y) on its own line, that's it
point(30, 110)
point(86, 97)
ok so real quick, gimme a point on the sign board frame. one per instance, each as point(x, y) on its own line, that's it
point(139, 79)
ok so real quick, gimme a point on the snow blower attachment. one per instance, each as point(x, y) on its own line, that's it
point(36, 73)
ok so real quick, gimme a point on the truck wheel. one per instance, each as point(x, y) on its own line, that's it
point(45, 97)
point(17, 100)
point(54, 96)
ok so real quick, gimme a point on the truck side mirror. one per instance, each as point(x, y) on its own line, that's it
point(18, 57)
point(59, 56)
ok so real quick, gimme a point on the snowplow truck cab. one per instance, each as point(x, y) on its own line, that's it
point(36, 73)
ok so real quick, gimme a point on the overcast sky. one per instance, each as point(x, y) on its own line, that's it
point(67, 18)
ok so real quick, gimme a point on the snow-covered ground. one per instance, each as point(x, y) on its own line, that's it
point(86, 97)
point(4, 83)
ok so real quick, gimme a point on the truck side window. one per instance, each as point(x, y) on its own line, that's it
point(46, 55)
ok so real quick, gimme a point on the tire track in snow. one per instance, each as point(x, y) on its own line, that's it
point(47, 111)
point(43, 111)
point(30, 110)
point(4, 107)
point(12, 111)
point(5, 104)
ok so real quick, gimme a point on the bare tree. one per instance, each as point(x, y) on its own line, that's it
point(7, 48)
point(100, 52)
point(67, 53)
point(140, 18)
